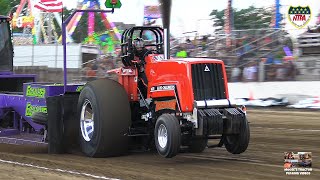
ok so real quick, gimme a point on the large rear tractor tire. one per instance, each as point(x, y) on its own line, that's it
point(238, 143)
point(105, 116)
point(167, 135)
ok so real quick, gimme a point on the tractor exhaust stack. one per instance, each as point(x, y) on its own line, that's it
point(166, 13)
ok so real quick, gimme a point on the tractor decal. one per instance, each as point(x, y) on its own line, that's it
point(79, 88)
point(35, 92)
point(30, 109)
point(163, 88)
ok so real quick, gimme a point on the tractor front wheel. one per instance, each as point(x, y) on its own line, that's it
point(167, 135)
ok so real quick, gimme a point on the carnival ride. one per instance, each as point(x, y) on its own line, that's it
point(91, 5)
point(37, 22)
point(40, 26)
point(103, 40)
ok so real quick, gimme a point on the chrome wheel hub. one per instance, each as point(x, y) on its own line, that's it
point(162, 136)
point(87, 120)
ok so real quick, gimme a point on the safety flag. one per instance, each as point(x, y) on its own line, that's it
point(49, 5)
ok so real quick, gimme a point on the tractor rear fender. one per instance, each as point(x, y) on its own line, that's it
point(128, 78)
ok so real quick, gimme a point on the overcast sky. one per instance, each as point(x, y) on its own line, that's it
point(190, 15)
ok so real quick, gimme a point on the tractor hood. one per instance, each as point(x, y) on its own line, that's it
point(195, 60)
point(155, 59)
point(159, 58)
point(195, 79)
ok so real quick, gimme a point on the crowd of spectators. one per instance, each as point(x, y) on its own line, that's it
point(189, 48)
point(243, 70)
point(248, 51)
point(285, 71)
point(98, 68)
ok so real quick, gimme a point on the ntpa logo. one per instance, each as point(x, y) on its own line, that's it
point(299, 16)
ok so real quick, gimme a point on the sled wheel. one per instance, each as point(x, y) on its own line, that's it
point(167, 135)
point(104, 114)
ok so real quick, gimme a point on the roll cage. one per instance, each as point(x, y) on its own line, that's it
point(127, 50)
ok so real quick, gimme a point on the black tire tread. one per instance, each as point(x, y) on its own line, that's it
point(174, 131)
point(198, 145)
point(114, 116)
point(243, 139)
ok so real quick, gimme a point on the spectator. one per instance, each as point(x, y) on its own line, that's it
point(291, 70)
point(281, 72)
point(250, 72)
point(271, 72)
point(204, 43)
point(189, 47)
point(235, 74)
point(91, 73)
point(181, 53)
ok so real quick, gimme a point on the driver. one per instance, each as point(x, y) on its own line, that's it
point(141, 52)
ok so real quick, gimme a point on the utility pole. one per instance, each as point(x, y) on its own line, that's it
point(278, 15)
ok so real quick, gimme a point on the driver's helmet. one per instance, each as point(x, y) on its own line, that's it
point(138, 44)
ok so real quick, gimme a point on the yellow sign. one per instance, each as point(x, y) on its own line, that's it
point(23, 21)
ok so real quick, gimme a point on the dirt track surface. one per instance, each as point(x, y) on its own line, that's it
point(272, 133)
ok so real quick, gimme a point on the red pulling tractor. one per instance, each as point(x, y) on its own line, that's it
point(161, 103)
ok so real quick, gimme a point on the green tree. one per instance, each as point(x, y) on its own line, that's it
point(249, 18)
point(13, 4)
point(7, 5)
point(4, 7)
point(218, 17)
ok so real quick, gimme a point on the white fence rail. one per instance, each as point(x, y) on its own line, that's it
point(47, 55)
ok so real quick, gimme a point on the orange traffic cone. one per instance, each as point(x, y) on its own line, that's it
point(251, 95)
